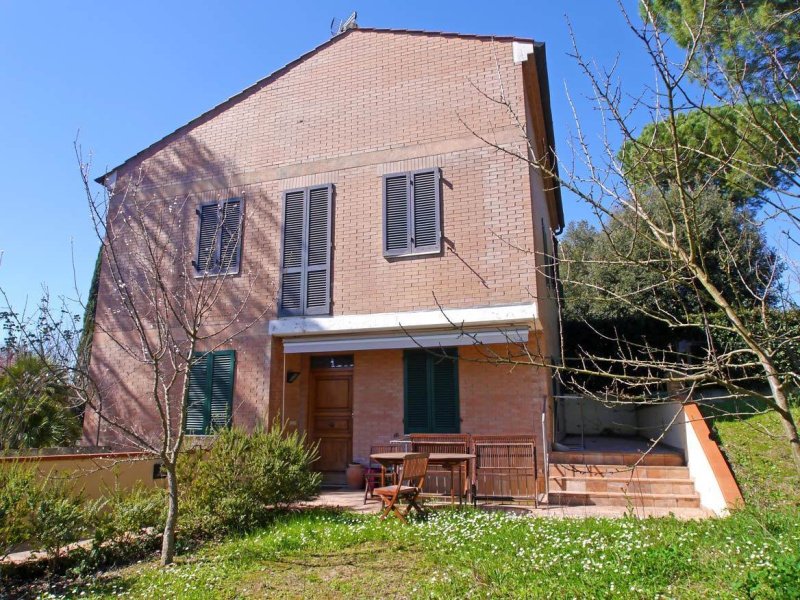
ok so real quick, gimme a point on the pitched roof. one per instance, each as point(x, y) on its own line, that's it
point(277, 73)
point(540, 65)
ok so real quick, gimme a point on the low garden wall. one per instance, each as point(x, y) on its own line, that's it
point(713, 478)
point(689, 433)
point(93, 473)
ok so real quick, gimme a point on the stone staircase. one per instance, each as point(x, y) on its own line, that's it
point(659, 480)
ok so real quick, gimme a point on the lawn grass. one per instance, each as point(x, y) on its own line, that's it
point(474, 554)
point(754, 445)
point(462, 554)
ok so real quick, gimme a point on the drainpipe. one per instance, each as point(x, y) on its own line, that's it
point(283, 392)
point(99, 421)
point(545, 455)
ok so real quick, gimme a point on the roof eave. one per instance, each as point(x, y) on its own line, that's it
point(539, 55)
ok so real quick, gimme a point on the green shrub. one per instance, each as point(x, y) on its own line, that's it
point(244, 476)
point(123, 515)
point(126, 527)
point(48, 515)
point(43, 514)
point(17, 486)
point(58, 517)
point(194, 520)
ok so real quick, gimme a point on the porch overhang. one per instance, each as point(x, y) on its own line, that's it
point(427, 329)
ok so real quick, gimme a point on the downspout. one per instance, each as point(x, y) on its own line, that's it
point(283, 392)
point(545, 455)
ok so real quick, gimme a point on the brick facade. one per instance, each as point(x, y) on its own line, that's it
point(366, 104)
point(493, 399)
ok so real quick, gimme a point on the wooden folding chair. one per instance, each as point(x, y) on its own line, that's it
point(412, 473)
point(375, 473)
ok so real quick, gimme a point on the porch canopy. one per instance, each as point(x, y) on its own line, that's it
point(426, 329)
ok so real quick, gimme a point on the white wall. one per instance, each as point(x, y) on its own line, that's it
point(653, 420)
point(682, 436)
point(705, 482)
point(596, 419)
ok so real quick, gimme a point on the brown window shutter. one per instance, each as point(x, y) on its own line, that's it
point(427, 218)
point(306, 254)
point(294, 207)
point(230, 244)
point(396, 215)
point(412, 213)
point(318, 254)
point(207, 247)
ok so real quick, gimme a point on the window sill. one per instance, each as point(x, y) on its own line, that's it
point(201, 275)
point(199, 440)
point(410, 255)
point(284, 314)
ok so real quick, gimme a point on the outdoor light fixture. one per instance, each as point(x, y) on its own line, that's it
point(291, 376)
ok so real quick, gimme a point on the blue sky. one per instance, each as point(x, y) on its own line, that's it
point(126, 74)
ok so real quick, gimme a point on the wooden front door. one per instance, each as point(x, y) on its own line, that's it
point(331, 417)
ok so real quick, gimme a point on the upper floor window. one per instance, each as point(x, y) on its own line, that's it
point(306, 255)
point(412, 221)
point(219, 237)
point(209, 399)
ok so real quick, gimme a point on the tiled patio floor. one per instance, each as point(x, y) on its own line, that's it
point(354, 501)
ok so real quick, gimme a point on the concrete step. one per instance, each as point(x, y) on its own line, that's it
point(623, 499)
point(618, 471)
point(628, 485)
point(661, 458)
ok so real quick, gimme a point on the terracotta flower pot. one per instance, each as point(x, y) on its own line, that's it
point(355, 476)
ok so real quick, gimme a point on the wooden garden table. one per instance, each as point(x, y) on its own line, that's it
point(448, 460)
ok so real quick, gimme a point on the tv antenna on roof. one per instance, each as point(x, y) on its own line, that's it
point(348, 23)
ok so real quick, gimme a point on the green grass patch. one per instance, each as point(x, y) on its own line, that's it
point(462, 554)
point(472, 554)
point(754, 444)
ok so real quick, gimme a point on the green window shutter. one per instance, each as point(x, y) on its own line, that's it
point(197, 395)
point(417, 407)
point(209, 397)
point(221, 396)
point(431, 391)
point(444, 382)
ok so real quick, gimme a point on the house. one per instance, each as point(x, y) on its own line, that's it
point(366, 147)
point(397, 253)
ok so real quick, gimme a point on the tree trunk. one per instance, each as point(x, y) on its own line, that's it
point(790, 428)
point(168, 542)
point(776, 387)
point(787, 420)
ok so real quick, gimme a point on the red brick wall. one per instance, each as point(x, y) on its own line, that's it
point(377, 399)
point(366, 92)
point(494, 399)
point(368, 104)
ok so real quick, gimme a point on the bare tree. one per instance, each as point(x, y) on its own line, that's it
point(734, 305)
point(162, 312)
